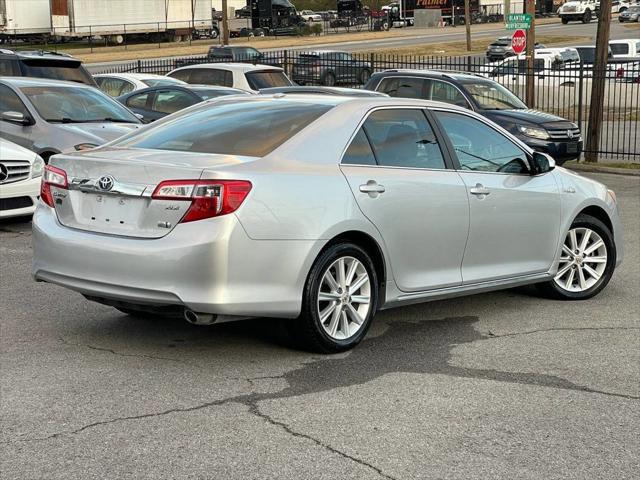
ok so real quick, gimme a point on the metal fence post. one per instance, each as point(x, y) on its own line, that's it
point(90, 40)
point(580, 95)
point(373, 62)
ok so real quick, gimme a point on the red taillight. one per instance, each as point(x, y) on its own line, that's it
point(620, 72)
point(209, 198)
point(52, 176)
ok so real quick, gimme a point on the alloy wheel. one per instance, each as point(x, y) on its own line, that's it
point(583, 260)
point(344, 298)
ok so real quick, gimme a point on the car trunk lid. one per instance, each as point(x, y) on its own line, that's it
point(110, 190)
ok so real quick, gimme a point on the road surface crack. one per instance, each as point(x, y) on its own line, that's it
point(253, 408)
point(557, 329)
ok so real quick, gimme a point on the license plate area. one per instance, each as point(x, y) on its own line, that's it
point(112, 210)
point(572, 147)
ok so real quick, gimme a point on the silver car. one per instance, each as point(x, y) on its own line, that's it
point(52, 116)
point(319, 208)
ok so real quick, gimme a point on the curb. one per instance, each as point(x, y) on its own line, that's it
point(581, 167)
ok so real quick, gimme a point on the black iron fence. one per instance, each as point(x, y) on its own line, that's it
point(560, 89)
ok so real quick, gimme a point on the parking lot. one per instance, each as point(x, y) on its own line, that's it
point(500, 385)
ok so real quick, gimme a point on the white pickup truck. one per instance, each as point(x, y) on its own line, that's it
point(578, 10)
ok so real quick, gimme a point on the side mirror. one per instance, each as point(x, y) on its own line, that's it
point(16, 117)
point(542, 163)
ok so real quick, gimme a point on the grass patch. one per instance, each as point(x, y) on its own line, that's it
point(478, 45)
point(625, 165)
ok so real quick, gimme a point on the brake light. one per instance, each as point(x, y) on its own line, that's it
point(209, 198)
point(620, 72)
point(52, 176)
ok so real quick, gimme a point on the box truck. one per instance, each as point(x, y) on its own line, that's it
point(24, 19)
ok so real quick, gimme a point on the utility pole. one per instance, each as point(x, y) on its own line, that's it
point(467, 23)
point(225, 23)
point(530, 92)
point(598, 82)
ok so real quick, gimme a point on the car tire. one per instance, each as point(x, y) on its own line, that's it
point(365, 75)
point(586, 18)
point(564, 20)
point(329, 79)
point(331, 319)
point(583, 272)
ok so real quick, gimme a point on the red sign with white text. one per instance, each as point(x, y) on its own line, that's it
point(519, 41)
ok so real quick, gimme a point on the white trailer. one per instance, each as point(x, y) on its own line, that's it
point(24, 19)
point(117, 19)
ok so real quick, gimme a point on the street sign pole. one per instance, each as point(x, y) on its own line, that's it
point(531, 41)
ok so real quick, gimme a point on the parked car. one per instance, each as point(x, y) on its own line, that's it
point(541, 131)
point(545, 59)
point(42, 64)
point(632, 14)
point(501, 49)
point(329, 68)
point(153, 103)
point(578, 10)
point(20, 173)
point(322, 209)
point(244, 76)
point(116, 84)
point(619, 68)
point(240, 54)
point(620, 6)
point(341, 91)
point(52, 116)
point(310, 16)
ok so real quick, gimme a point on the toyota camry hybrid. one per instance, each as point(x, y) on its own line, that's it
point(321, 209)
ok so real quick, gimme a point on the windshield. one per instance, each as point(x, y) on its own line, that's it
point(76, 105)
point(619, 48)
point(493, 96)
point(161, 82)
point(266, 79)
point(247, 128)
point(65, 70)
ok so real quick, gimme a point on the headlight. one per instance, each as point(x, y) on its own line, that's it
point(85, 146)
point(533, 132)
point(37, 167)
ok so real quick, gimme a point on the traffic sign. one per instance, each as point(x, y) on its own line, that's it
point(519, 41)
point(518, 21)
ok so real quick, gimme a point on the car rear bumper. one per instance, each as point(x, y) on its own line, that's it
point(19, 198)
point(208, 266)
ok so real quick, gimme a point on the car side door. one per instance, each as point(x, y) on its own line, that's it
point(14, 132)
point(401, 179)
point(515, 215)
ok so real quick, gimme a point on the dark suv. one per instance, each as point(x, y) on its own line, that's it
point(541, 131)
point(239, 54)
point(329, 68)
point(41, 64)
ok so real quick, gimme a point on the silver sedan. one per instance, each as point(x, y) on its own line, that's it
point(321, 209)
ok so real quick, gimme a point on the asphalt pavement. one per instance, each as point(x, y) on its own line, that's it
point(500, 385)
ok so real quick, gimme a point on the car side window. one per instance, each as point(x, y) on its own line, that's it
point(182, 74)
point(404, 87)
point(138, 101)
point(169, 101)
point(10, 102)
point(403, 138)
point(359, 151)
point(114, 87)
point(481, 148)
point(445, 92)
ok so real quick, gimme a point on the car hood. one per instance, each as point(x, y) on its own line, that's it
point(100, 133)
point(526, 116)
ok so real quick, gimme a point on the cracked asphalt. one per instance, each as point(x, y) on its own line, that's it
point(499, 385)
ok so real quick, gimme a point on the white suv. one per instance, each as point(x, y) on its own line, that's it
point(20, 172)
point(578, 10)
point(245, 76)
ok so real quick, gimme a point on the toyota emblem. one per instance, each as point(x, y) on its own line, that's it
point(106, 183)
point(4, 173)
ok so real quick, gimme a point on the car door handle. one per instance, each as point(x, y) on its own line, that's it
point(479, 189)
point(372, 188)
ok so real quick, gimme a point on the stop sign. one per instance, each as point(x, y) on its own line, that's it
point(519, 41)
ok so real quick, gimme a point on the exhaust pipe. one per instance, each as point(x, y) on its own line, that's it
point(199, 318)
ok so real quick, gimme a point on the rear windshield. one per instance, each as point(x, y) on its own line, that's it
point(251, 128)
point(619, 48)
point(587, 54)
point(266, 79)
point(71, 71)
point(162, 82)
